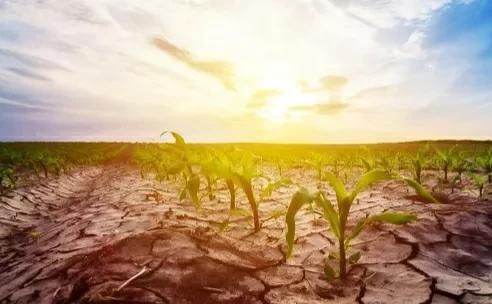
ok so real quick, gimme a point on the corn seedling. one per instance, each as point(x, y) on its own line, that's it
point(243, 175)
point(317, 162)
point(444, 160)
point(337, 217)
point(485, 163)
point(7, 179)
point(479, 182)
point(272, 186)
point(459, 164)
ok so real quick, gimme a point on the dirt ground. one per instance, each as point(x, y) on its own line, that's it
point(78, 238)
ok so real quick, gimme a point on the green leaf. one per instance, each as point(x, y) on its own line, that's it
point(337, 185)
point(329, 272)
point(395, 218)
point(354, 258)
point(277, 213)
point(299, 199)
point(179, 140)
point(356, 230)
point(421, 192)
point(329, 213)
point(367, 179)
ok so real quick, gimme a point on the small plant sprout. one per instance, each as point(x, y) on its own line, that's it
point(7, 179)
point(485, 163)
point(272, 186)
point(243, 175)
point(337, 217)
point(445, 158)
point(417, 164)
point(459, 165)
point(317, 162)
point(479, 182)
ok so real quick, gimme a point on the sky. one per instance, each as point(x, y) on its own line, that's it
point(292, 71)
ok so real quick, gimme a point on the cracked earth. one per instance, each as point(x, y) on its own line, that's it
point(78, 238)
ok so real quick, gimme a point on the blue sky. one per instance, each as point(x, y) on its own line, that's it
point(331, 71)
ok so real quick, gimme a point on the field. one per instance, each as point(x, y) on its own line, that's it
point(246, 223)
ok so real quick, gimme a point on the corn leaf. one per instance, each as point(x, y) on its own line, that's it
point(329, 213)
point(367, 179)
point(421, 192)
point(300, 198)
point(337, 185)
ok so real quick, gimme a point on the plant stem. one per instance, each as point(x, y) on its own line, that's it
point(343, 261)
point(248, 189)
point(232, 192)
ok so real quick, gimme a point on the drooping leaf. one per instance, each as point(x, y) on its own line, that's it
point(299, 199)
point(421, 192)
point(179, 140)
point(367, 179)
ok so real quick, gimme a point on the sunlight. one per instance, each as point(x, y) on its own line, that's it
point(278, 109)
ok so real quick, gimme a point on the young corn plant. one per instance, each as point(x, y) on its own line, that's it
point(243, 175)
point(479, 181)
point(459, 165)
point(273, 186)
point(417, 164)
point(184, 159)
point(485, 163)
point(444, 159)
point(7, 179)
point(317, 162)
point(224, 170)
point(337, 217)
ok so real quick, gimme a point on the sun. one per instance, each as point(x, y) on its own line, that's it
point(277, 110)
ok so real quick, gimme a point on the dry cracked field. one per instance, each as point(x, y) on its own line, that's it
point(78, 238)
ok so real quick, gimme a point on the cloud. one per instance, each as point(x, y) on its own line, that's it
point(30, 60)
point(328, 108)
point(28, 74)
point(260, 97)
point(332, 84)
point(221, 70)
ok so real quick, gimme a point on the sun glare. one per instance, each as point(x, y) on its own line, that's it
point(278, 108)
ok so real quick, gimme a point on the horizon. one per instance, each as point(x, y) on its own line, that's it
point(163, 141)
point(224, 71)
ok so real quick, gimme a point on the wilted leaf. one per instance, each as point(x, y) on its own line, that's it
point(298, 200)
point(421, 192)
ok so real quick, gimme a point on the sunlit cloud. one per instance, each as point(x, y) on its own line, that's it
point(221, 70)
point(261, 97)
point(328, 108)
